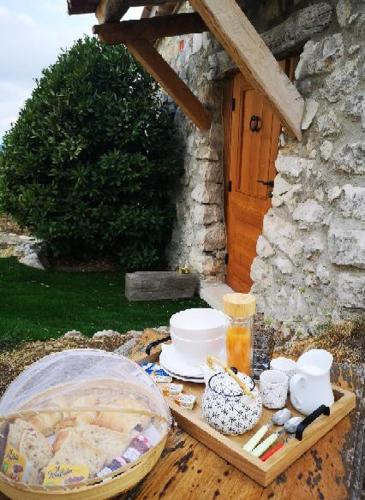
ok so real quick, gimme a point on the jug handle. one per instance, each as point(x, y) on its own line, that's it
point(294, 383)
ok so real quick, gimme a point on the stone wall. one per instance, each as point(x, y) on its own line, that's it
point(310, 267)
point(199, 238)
point(311, 254)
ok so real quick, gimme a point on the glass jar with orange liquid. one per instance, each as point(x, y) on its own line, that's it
point(240, 308)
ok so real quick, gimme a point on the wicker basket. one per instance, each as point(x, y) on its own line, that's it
point(100, 489)
point(44, 401)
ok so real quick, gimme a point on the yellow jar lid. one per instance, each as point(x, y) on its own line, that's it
point(239, 305)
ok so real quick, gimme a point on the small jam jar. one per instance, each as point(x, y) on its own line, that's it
point(240, 308)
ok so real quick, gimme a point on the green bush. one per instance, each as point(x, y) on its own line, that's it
point(90, 163)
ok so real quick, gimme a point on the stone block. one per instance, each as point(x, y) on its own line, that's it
point(351, 290)
point(308, 213)
point(211, 238)
point(206, 264)
point(342, 81)
point(207, 214)
point(328, 124)
point(292, 166)
point(282, 235)
point(346, 247)
point(310, 110)
point(284, 265)
point(319, 57)
point(343, 12)
point(352, 202)
point(197, 42)
point(354, 107)
point(284, 193)
point(263, 248)
point(206, 152)
point(334, 193)
point(350, 158)
point(208, 192)
point(211, 171)
point(323, 274)
point(326, 149)
point(261, 271)
point(313, 246)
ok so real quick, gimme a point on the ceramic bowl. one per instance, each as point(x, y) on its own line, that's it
point(196, 351)
point(199, 324)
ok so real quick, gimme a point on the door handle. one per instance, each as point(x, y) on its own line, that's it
point(266, 183)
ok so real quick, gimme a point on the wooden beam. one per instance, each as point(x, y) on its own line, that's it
point(150, 28)
point(82, 6)
point(234, 31)
point(111, 10)
point(288, 37)
point(161, 71)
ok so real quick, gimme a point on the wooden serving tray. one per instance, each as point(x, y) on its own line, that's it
point(230, 447)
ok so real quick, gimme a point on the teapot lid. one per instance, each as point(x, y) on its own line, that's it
point(222, 383)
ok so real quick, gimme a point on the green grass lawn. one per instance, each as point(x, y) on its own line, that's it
point(36, 305)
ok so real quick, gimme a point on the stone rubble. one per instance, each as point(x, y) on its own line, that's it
point(28, 250)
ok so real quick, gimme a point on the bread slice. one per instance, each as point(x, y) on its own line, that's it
point(111, 443)
point(123, 422)
point(46, 422)
point(75, 451)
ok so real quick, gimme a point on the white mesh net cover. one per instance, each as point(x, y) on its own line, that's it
point(78, 416)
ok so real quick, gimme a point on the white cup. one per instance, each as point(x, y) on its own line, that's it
point(285, 365)
point(274, 386)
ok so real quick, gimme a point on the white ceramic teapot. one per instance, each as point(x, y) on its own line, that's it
point(226, 406)
point(311, 386)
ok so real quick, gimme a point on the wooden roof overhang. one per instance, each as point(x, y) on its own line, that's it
point(227, 22)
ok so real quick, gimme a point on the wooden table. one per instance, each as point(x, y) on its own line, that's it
point(333, 469)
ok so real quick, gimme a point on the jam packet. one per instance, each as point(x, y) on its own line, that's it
point(172, 389)
point(186, 401)
point(138, 447)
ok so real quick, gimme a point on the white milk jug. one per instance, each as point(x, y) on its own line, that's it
point(311, 386)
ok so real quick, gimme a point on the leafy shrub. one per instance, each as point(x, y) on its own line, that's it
point(90, 162)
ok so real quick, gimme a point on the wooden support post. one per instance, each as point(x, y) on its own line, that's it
point(234, 31)
point(161, 71)
point(150, 28)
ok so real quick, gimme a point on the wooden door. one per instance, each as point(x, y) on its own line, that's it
point(253, 146)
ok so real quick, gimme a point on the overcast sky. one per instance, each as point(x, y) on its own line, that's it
point(32, 32)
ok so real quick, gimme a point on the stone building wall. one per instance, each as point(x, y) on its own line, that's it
point(199, 237)
point(310, 267)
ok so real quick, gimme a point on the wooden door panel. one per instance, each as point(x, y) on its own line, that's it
point(249, 162)
point(251, 159)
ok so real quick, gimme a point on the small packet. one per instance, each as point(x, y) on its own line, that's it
point(186, 401)
point(172, 389)
point(138, 447)
point(152, 434)
point(14, 463)
point(157, 373)
point(63, 474)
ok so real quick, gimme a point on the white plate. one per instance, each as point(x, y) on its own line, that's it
point(183, 379)
point(172, 361)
